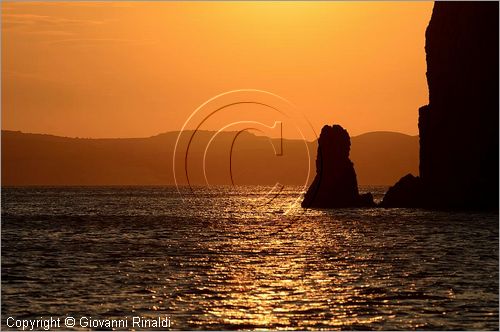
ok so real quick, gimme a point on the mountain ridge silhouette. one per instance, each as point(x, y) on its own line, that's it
point(380, 158)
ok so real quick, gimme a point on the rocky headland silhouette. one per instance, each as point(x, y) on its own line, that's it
point(458, 129)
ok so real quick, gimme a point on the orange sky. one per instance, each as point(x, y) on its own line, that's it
point(130, 69)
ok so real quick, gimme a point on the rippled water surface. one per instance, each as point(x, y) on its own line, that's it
point(229, 259)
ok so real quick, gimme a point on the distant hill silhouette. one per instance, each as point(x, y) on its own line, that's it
point(379, 156)
point(38, 159)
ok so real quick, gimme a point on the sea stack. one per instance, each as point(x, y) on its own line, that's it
point(459, 126)
point(335, 184)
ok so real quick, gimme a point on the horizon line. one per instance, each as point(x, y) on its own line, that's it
point(188, 130)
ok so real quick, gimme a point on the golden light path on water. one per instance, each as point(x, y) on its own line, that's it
point(222, 260)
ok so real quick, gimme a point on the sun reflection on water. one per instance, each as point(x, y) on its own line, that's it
point(218, 262)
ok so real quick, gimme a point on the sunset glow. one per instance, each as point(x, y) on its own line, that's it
point(250, 165)
point(132, 69)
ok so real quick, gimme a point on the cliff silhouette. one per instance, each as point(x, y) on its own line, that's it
point(459, 127)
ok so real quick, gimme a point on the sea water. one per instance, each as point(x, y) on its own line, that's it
point(226, 258)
